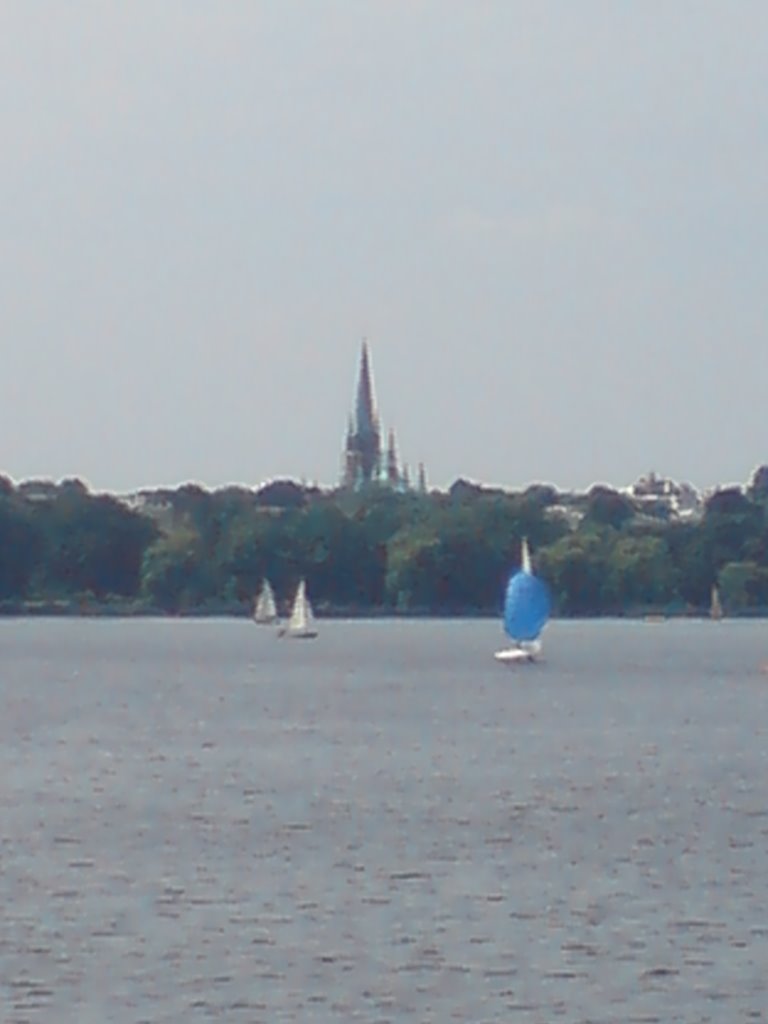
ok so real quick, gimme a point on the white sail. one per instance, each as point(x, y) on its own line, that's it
point(526, 610)
point(265, 610)
point(715, 607)
point(302, 621)
point(526, 557)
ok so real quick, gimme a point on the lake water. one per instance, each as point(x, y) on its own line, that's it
point(201, 822)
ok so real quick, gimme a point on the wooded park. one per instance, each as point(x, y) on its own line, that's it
point(193, 551)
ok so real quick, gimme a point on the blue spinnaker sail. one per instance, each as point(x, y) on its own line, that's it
point(526, 606)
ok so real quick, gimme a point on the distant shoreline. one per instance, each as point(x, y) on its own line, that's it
point(116, 609)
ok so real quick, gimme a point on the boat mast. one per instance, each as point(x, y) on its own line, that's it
point(526, 557)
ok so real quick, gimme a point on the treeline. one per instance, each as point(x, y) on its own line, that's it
point(190, 550)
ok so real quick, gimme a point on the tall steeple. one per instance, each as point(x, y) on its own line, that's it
point(364, 408)
point(392, 471)
point(362, 461)
point(366, 461)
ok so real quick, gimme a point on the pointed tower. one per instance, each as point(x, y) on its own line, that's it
point(393, 473)
point(362, 460)
point(348, 467)
point(366, 421)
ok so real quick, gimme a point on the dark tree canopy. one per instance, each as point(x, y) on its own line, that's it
point(193, 550)
point(281, 494)
point(608, 507)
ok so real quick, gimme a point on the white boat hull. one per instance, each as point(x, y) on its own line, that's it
point(519, 654)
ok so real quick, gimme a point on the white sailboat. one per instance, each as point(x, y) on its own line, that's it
point(526, 611)
point(265, 608)
point(301, 625)
point(715, 606)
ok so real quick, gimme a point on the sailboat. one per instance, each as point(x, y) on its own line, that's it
point(715, 606)
point(301, 625)
point(265, 608)
point(526, 611)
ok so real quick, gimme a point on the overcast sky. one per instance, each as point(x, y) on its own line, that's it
point(550, 220)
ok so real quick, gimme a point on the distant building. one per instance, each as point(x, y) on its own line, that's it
point(364, 460)
point(654, 493)
point(38, 490)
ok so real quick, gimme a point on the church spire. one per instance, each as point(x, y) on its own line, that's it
point(363, 449)
point(393, 474)
point(364, 409)
point(368, 458)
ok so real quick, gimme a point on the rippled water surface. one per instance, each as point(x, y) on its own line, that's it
point(199, 822)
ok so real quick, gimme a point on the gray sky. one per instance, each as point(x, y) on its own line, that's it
point(548, 218)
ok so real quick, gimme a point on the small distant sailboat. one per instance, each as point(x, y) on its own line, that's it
point(527, 606)
point(715, 605)
point(265, 608)
point(301, 624)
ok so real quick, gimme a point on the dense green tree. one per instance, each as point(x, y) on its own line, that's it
point(758, 485)
point(730, 520)
point(244, 555)
point(743, 585)
point(282, 494)
point(542, 495)
point(692, 555)
point(640, 573)
point(459, 556)
point(438, 552)
point(21, 546)
point(409, 563)
point(343, 563)
point(727, 502)
point(176, 575)
point(92, 544)
point(577, 570)
point(607, 507)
